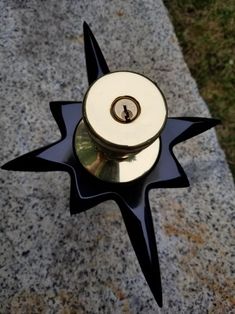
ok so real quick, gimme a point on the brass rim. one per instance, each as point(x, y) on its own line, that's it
point(120, 119)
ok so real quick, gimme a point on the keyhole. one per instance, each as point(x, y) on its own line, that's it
point(125, 109)
point(127, 114)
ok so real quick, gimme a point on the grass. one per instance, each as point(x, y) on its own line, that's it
point(206, 32)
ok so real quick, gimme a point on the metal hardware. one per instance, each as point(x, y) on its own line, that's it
point(124, 113)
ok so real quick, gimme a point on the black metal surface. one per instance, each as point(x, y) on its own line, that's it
point(132, 197)
point(95, 62)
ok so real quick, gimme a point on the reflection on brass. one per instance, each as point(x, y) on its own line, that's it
point(101, 165)
point(125, 109)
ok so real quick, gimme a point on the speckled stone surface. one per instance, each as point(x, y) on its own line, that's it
point(51, 262)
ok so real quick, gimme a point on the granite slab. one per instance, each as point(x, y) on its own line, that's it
point(51, 262)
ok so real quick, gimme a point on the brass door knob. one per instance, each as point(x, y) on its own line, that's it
point(123, 115)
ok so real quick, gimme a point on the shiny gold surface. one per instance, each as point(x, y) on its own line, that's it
point(110, 168)
point(123, 115)
point(129, 98)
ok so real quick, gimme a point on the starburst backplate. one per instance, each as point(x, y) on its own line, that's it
point(132, 197)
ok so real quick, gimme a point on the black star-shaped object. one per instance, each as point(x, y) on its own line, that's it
point(132, 197)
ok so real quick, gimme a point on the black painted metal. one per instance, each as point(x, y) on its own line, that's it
point(95, 61)
point(132, 198)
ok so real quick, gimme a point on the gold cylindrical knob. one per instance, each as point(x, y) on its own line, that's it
point(124, 113)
